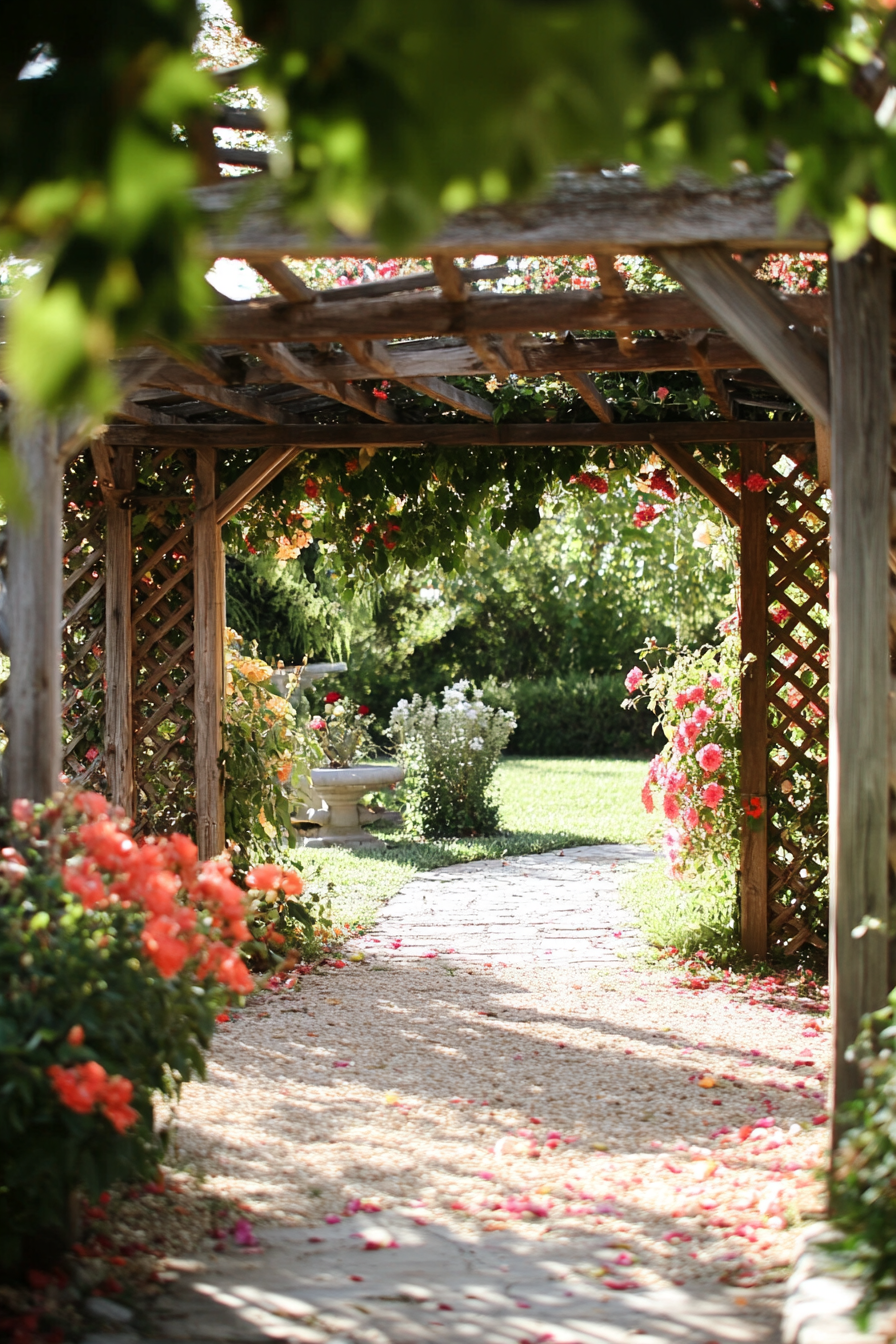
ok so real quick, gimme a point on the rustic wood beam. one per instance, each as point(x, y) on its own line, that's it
point(754, 315)
point(754, 708)
point(858, 787)
point(450, 357)
point(33, 698)
point(581, 213)
point(487, 347)
point(252, 481)
point(144, 415)
point(591, 394)
point(425, 314)
point(285, 281)
point(613, 286)
point(378, 358)
point(697, 342)
point(715, 490)
point(117, 477)
point(228, 438)
point(208, 657)
point(243, 403)
point(294, 370)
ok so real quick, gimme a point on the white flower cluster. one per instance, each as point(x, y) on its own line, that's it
point(463, 733)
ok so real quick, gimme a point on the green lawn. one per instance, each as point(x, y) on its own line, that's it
point(545, 804)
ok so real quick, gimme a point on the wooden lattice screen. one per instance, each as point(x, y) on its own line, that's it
point(798, 674)
point(84, 626)
point(160, 507)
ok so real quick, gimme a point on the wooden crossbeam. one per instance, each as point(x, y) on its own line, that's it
point(227, 438)
point(450, 357)
point(455, 288)
point(425, 314)
point(253, 480)
point(697, 342)
point(294, 370)
point(715, 490)
point(591, 394)
point(755, 315)
point(378, 358)
point(581, 213)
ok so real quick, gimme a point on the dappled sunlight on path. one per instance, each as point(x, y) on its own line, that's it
point(643, 1131)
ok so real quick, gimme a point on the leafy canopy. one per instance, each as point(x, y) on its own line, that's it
point(386, 113)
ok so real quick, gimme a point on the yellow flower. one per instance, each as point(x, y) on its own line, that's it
point(253, 669)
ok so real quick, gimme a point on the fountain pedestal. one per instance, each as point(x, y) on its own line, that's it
point(342, 790)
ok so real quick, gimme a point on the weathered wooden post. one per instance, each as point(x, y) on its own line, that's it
point(116, 474)
point(33, 701)
point(860, 480)
point(754, 708)
point(208, 656)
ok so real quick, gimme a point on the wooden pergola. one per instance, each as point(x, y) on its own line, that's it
point(143, 610)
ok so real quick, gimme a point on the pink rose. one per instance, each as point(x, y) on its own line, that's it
point(671, 808)
point(633, 680)
point(647, 798)
point(710, 757)
point(712, 795)
point(696, 694)
point(317, 723)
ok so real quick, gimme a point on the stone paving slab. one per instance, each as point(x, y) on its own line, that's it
point(320, 1286)
point(558, 908)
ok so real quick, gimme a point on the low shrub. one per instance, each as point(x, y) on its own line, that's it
point(573, 715)
point(287, 921)
point(450, 753)
point(116, 957)
point(863, 1171)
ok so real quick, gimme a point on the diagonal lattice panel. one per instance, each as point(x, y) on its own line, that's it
point(162, 625)
point(83, 625)
point(798, 675)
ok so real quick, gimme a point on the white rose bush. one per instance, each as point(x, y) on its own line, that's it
point(450, 752)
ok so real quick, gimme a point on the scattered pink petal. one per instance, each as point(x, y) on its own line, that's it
point(341, 1063)
point(332, 1218)
point(243, 1234)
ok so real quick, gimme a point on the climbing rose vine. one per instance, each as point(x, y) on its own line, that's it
point(693, 783)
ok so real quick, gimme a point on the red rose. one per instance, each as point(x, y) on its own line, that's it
point(312, 489)
point(363, 709)
point(332, 697)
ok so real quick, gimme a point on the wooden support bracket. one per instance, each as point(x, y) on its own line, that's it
point(754, 315)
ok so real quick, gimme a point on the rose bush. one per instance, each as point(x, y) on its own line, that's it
point(116, 956)
point(693, 784)
point(342, 733)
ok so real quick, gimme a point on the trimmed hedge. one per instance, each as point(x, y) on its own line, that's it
point(575, 715)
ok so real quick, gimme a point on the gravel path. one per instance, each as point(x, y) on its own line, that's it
point(502, 1076)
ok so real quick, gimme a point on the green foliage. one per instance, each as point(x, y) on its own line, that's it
point(863, 1173)
point(575, 598)
point(450, 754)
point(572, 715)
point(65, 965)
point(289, 608)
point(264, 757)
point(386, 116)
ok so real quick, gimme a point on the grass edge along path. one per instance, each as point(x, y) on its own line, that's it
point(546, 803)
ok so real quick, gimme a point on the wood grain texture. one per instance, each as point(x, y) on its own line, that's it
point(230, 437)
point(426, 314)
point(753, 314)
point(33, 700)
point(451, 357)
point(754, 709)
point(711, 486)
point(253, 480)
point(860, 478)
point(208, 653)
point(117, 478)
point(591, 394)
point(581, 213)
